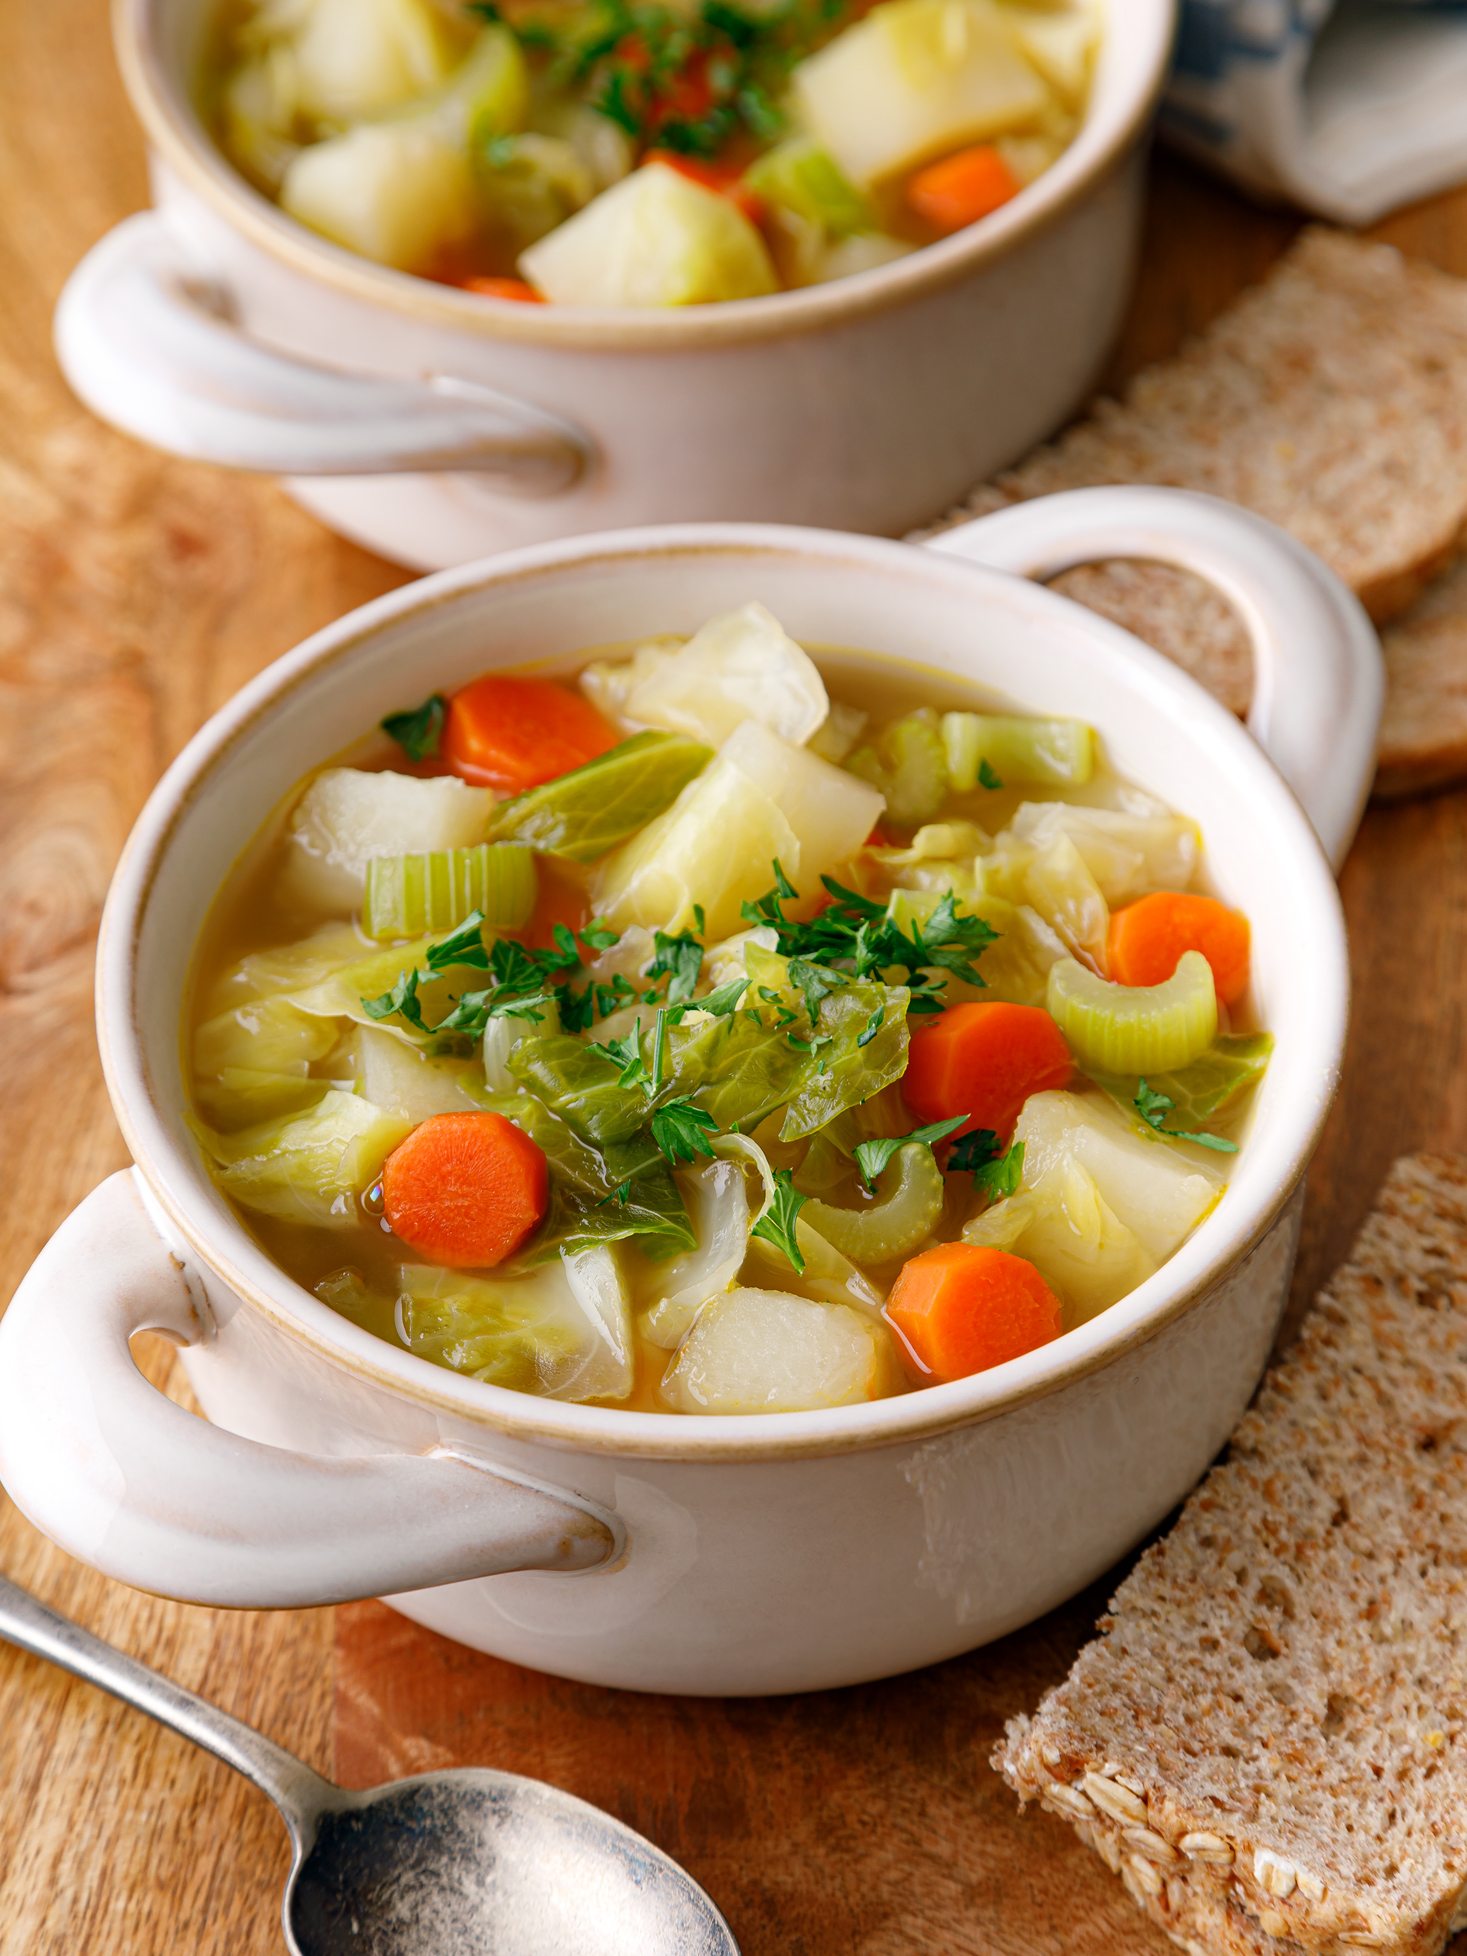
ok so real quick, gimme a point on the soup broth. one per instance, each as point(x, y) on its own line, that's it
point(740, 1027)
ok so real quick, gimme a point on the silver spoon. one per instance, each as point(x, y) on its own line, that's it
point(469, 1862)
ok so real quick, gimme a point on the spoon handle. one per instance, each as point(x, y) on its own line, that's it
point(299, 1793)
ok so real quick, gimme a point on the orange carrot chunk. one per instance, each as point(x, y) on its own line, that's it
point(1147, 938)
point(517, 733)
point(465, 1189)
point(962, 1307)
point(984, 1060)
point(961, 188)
point(488, 287)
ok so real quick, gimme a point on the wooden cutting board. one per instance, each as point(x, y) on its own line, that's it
point(136, 594)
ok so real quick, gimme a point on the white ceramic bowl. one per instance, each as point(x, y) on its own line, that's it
point(772, 1553)
point(436, 426)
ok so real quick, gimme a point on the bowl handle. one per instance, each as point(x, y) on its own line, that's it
point(138, 1488)
point(144, 338)
point(1319, 681)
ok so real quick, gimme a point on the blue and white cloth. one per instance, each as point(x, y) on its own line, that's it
point(1348, 107)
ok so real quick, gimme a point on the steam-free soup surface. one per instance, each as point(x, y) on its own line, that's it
point(725, 1030)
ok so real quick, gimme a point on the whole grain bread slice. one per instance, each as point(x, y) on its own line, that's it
point(1423, 733)
point(1331, 398)
point(1268, 1742)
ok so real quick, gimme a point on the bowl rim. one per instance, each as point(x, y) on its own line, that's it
point(177, 135)
point(181, 1186)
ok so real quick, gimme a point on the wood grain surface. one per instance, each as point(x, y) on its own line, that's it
point(136, 594)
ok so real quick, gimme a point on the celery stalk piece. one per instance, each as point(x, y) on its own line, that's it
point(908, 767)
point(348, 815)
point(583, 814)
point(407, 895)
point(1051, 753)
point(802, 177)
point(915, 79)
point(1141, 1029)
point(911, 1197)
point(768, 1351)
point(654, 239)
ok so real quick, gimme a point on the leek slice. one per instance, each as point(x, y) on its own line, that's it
point(583, 814)
point(1053, 753)
point(911, 1198)
point(1142, 1029)
point(408, 895)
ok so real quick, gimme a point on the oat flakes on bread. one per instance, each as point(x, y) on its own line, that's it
point(1268, 1742)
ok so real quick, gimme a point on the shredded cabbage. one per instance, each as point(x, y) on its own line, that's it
point(311, 1167)
point(741, 665)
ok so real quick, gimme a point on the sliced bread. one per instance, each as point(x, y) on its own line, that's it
point(1423, 734)
point(1331, 398)
point(1268, 1742)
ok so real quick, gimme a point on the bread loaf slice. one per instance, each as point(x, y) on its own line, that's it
point(1423, 733)
point(1268, 1742)
point(1332, 399)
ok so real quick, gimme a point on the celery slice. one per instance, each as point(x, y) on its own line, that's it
point(908, 765)
point(802, 177)
point(1056, 753)
point(1142, 1029)
point(583, 814)
point(910, 1203)
point(407, 895)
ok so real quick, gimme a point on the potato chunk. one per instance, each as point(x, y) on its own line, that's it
point(766, 1351)
point(397, 193)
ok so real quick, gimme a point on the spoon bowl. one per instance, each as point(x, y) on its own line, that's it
point(469, 1862)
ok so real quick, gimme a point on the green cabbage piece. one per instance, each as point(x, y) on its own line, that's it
point(583, 814)
point(311, 1167)
point(253, 1063)
point(908, 764)
point(1232, 1064)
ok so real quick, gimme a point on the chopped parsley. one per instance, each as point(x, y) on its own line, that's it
point(419, 730)
point(681, 1130)
point(872, 1156)
point(986, 776)
point(781, 1213)
point(982, 1155)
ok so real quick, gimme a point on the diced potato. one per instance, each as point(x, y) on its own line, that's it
point(360, 58)
point(1129, 855)
point(677, 1290)
point(347, 816)
point(1152, 1186)
point(408, 1083)
point(740, 666)
point(654, 239)
point(310, 1168)
point(1074, 1239)
point(829, 810)
point(713, 847)
point(394, 192)
point(915, 79)
point(767, 1351)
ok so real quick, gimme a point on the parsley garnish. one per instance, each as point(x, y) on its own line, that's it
point(418, 731)
point(626, 1053)
point(1154, 1107)
point(777, 1224)
point(986, 776)
point(981, 1154)
point(464, 946)
point(680, 1130)
point(872, 1156)
point(402, 999)
point(679, 960)
point(599, 935)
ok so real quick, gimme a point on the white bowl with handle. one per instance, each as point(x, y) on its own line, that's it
point(436, 425)
point(775, 1552)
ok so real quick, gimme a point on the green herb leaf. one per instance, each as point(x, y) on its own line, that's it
point(679, 960)
point(873, 1026)
point(722, 1003)
point(1000, 1178)
point(599, 935)
point(465, 946)
point(626, 1052)
point(970, 1154)
point(680, 1130)
point(1154, 1107)
point(402, 1000)
point(418, 731)
point(986, 776)
point(777, 1224)
point(872, 1156)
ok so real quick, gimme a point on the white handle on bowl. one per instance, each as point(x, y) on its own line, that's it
point(144, 340)
point(125, 1480)
point(1319, 682)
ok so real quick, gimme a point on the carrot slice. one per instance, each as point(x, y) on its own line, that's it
point(1147, 939)
point(962, 1307)
point(465, 1189)
point(503, 288)
point(517, 733)
point(984, 1060)
point(961, 188)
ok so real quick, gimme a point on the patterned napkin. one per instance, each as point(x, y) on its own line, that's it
point(1348, 107)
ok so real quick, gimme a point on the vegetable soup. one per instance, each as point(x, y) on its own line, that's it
point(730, 1030)
point(633, 153)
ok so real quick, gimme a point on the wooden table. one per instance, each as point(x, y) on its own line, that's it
point(136, 594)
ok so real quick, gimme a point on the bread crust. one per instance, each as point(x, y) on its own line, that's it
point(1268, 1741)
